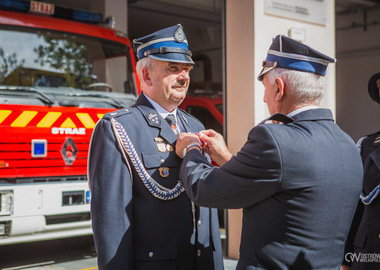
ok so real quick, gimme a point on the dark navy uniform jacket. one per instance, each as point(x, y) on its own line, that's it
point(364, 236)
point(298, 185)
point(133, 229)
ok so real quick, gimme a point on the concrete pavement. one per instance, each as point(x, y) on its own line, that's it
point(229, 264)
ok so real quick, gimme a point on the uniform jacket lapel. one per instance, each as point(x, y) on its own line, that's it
point(184, 121)
point(154, 119)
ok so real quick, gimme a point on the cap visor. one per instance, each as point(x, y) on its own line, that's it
point(173, 57)
point(263, 71)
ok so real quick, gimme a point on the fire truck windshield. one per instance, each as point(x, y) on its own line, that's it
point(63, 64)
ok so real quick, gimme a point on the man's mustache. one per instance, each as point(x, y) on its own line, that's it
point(179, 84)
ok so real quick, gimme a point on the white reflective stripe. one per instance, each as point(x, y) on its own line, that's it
point(157, 41)
point(164, 59)
point(299, 57)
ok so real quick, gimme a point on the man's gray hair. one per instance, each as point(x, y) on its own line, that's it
point(145, 62)
point(305, 87)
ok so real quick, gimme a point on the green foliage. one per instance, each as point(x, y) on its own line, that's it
point(68, 56)
point(8, 63)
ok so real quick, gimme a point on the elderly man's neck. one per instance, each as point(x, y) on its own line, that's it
point(288, 108)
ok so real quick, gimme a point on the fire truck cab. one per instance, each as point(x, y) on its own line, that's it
point(61, 70)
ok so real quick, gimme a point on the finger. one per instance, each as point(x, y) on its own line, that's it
point(207, 149)
point(208, 132)
point(206, 139)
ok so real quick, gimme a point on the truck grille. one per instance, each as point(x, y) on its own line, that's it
point(44, 180)
point(18, 162)
point(67, 218)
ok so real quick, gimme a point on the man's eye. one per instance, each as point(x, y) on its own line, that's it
point(173, 68)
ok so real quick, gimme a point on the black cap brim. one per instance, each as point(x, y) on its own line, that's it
point(373, 90)
point(173, 57)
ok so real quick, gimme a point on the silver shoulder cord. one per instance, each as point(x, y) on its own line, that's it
point(375, 192)
point(119, 141)
point(153, 186)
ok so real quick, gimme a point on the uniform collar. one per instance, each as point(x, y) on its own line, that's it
point(305, 115)
point(154, 119)
point(161, 110)
point(314, 114)
point(291, 114)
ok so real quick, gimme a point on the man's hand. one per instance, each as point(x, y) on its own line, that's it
point(215, 146)
point(184, 139)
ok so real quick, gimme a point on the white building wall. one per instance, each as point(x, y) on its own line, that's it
point(358, 54)
point(321, 38)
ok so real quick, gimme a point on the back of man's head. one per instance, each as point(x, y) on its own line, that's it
point(303, 87)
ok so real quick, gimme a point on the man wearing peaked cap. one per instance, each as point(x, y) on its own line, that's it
point(141, 216)
point(364, 234)
point(297, 177)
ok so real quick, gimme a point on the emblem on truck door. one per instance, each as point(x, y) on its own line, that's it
point(69, 151)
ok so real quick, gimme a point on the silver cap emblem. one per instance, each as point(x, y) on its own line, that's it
point(179, 35)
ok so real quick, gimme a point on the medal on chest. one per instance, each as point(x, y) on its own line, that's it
point(164, 171)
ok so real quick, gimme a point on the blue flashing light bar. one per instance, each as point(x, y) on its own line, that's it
point(59, 12)
point(14, 5)
point(87, 17)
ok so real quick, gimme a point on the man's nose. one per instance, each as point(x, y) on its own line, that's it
point(184, 74)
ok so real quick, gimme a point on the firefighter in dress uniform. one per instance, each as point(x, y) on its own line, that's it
point(364, 236)
point(141, 216)
point(297, 181)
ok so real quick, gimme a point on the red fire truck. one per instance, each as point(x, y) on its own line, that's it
point(61, 70)
point(208, 108)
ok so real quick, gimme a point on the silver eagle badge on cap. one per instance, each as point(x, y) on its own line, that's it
point(179, 35)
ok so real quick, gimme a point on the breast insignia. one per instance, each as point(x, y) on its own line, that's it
point(158, 139)
point(153, 119)
point(169, 148)
point(161, 147)
point(164, 171)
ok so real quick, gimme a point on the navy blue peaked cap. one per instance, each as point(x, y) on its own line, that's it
point(168, 44)
point(290, 54)
point(373, 89)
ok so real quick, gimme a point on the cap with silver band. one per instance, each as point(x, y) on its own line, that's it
point(287, 53)
point(168, 44)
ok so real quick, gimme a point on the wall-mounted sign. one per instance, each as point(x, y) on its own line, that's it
point(311, 11)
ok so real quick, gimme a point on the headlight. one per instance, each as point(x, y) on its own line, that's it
point(6, 202)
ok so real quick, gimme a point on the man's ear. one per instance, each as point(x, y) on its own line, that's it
point(146, 76)
point(280, 91)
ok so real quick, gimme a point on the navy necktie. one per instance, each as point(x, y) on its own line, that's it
point(170, 118)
